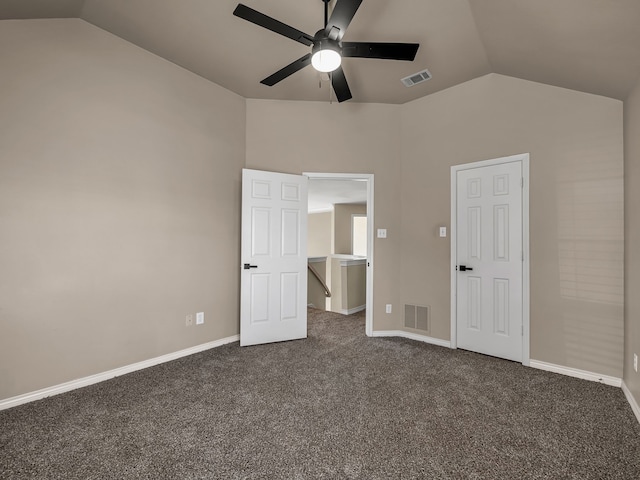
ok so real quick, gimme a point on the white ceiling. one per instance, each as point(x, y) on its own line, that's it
point(324, 194)
point(586, 45)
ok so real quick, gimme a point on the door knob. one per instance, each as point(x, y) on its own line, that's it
point(247, 266)
point(464, 268)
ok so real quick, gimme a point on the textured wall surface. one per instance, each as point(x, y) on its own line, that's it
point(576, 207)
point(632, 240)
point(119, 204)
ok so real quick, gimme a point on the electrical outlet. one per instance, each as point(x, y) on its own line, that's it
point(199, 318)
point(635, 362)
point(388, 308)
point(189, 320)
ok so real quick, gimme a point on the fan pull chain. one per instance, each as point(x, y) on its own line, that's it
point(330, 88)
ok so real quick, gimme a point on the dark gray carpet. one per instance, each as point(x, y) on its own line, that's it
point(337, 405)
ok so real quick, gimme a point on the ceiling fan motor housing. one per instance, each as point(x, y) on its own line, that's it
point(322, 42)
point(326, 53)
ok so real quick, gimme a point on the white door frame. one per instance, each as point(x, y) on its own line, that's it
point(523, 158)
point(368, 177)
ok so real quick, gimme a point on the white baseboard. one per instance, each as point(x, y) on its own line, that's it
point(100, 377)
point(574, 372)
point(412, 336)
point(632, 401)
point(116, 372)
point(353, 310)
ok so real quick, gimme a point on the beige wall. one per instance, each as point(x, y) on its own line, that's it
point(342, 225)
point(348, 285)
point(339, 138)
point(315, 290)
point(319, 233)
point(355, 286)
point(632, 241)
point(576, 205)
point(120, 190)
point(119, 204)
point(335, 273)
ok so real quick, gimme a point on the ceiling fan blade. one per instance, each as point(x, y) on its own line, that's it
point(388, 51)
point(341, 16)
point(340, 85)
point(272, 24)
point(290, 69)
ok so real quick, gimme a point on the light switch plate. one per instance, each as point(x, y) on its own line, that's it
point(382, 233)
point(199, 318)
point(443, 231)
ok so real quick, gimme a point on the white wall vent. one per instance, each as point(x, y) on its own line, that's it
point(416, 78)
point(416, 316)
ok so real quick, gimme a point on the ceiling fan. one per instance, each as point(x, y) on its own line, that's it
point(327, 47)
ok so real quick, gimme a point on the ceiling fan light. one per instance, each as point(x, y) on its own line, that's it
point(326, 60)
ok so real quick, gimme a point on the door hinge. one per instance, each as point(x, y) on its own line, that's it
point(522, 330)
point(521, 182)
point(522, 256)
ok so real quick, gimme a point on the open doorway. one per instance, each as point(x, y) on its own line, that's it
point(343, 203)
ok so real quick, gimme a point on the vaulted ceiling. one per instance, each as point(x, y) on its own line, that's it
point(586, 45)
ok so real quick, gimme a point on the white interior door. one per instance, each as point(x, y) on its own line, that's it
point(489, 254)
point(273, 298)
point(369, 179)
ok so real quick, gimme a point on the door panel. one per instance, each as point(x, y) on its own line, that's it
point(489, 243)
point(274, 257)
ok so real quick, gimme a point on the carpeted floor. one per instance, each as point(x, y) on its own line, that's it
point(336, 405)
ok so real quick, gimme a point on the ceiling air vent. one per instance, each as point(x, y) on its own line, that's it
point(416, 78)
